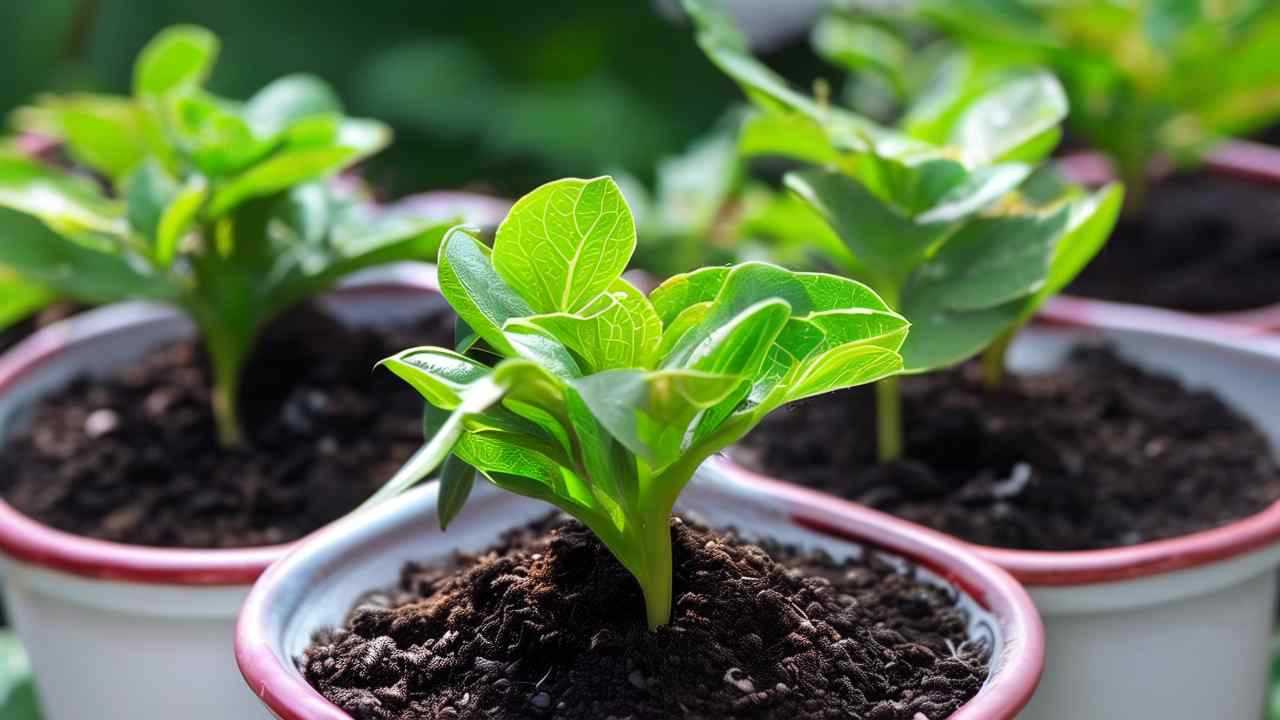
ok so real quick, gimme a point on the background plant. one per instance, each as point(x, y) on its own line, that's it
point(961, 235)
point(1145, 79)
point(583, 392)
point(214, 206)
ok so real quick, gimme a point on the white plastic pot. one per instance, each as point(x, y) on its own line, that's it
point(122, 631)
point(315, 586)
point(1178, 629)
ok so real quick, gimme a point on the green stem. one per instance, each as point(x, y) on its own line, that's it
point(227, 362)
point(993, 360)
point(889, 419)
point(657, 585)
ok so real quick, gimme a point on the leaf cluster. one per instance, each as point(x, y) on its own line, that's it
point(216, 206)
point(571, 386)
point(1166, 77)
point(946, 216)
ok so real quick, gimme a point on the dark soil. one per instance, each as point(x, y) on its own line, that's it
point(134, 458)
point(549, 625)
point(1100, 454)
point(1203, 243)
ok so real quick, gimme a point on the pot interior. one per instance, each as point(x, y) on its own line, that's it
point(328, 574)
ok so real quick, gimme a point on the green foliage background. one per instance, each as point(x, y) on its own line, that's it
point(499, 95)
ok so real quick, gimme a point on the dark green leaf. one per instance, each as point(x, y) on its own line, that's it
point(456, 481)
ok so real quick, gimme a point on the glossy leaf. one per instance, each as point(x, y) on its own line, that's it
point(1017, 121)
point(456, 480)
point(565, 243)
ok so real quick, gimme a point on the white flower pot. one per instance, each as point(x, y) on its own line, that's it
point(122, 631)
point(1178, 629)
point(315, 585)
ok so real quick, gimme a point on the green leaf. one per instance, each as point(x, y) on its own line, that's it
point(1088, 226)
point(650, 412)
point(565, 243)
point(880, 238)
point(103, 133)
point(863, 47)
point(17, 691)
point(439, 375)
point(456, 480)
point(621, 330)
point(976, 286)
point(1017, 121)
point(475, 291)
point(287, 101)
point(88, 268)
point(280, 172)
point(178, 219)
point(19, 298)
point(844, 367)
point(62, 201)
point(982, 188)
point(679, 292)
point(149, 190)
point(179, 58)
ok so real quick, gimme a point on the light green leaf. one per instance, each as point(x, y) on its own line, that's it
point(278, 173)
point(1089, 224)
point(20, 298)
point(1016, 121)
point(439, 375)
point(863, 47)
point(148, 191)
point(621, 330)
point(565, 243)
point(650, 412)
point(844, 367)
point(178, 219)
point(178, 58)
point(104, 133)
point(288, 100)
point(89, 267)
point(679, 292)
point(64, 202)
point(978, 191)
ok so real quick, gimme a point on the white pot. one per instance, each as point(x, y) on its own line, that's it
point(1178, 629)
point(125, 631)
point(315, 585)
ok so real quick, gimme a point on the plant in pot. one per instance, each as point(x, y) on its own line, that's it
point(194, 430)
point(1160, 89)
point(581, 392)
point(1140, 511)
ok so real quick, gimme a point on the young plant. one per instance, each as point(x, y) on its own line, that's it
point(1146, 79)
point(958, 236)
point(582, 392)
point(214, 206)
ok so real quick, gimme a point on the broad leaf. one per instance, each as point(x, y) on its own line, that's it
point(621, 330)
point(1017, 121)
point(178, 58)
point(456, 481)
point(476, 292)
point(565, 243)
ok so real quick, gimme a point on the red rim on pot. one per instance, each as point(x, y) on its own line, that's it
point(31, 542)
point(282, 688)
point(1239, 159)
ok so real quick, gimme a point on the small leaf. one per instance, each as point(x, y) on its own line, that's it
point(565, 243)
point(103, 133)
point(179, 57)
point(439, 375)
point(1017, 121)
point(456, 480)
point(475, 291)
point(288, 100)
point(679, 292)
point(179, 218)
point(20, 298)
point(621, 331)
point(281, 172)
point(148, 191)
point(844, 367)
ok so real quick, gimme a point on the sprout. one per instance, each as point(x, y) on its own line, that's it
point(580, 391)
point(212, 206)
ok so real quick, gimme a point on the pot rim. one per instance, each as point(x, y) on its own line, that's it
point(1240, 159)
point(1090, 567)
point(286, 693)
point(28, 541)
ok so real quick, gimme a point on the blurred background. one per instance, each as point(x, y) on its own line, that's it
point(495, 96)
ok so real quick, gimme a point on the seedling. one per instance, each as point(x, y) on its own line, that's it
point(213, 206)
point(603, 402)
point(957, 236)
point(1146, 79)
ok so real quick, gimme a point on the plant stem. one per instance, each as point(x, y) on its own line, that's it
point(227, 362)
point(889, 419)
point(657, 586)
point(993, 360)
